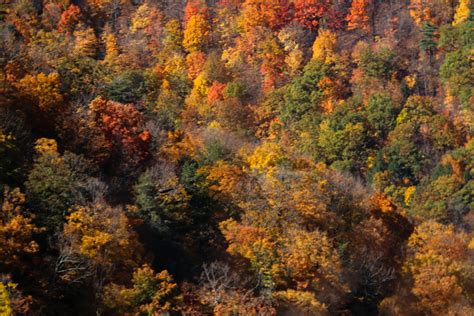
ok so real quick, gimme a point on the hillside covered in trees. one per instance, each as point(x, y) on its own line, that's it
point(236, 157)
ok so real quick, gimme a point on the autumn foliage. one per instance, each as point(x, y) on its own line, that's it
point(236, 157)
point(309, 13)
point(358, 17)
point(122, 125)
point(17, 229)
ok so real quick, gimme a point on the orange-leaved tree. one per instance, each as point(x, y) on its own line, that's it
point(358, 17)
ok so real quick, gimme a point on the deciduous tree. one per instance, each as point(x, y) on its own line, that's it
point(195, 62)
point(272, 14)
point(55, 182)
point(16, 229)
point(437, 257)
point(462, 12)
point(436, 12)
point(196, 33)
point(151, 293)
point(358, 17)
point(96, 242)
point(123, 126)
point(309, 13)
point(85, 43)
point(324, 46)
point(70, 18)
point(194, 7)
point(161, 201)
point(43, 89)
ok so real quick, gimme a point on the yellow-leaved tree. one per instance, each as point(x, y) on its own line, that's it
point(324, 46)
point(462, 12)
point(5, 304)
point(100, 233)
point(151, 294)
point(196, 34)
point(303, 302)
point(96, 242)
point(265, 157)
point(16, 229)
point(42, 89)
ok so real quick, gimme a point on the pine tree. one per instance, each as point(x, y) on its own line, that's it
point(428, 41)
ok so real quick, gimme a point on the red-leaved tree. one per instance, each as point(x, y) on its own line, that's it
point(122, 125)
point(69, 19)
point(310, 12)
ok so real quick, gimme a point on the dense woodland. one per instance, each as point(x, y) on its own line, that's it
point(236, 157)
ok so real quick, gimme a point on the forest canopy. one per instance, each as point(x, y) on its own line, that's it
point(236, 157)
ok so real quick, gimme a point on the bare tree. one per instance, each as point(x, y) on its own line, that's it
point(72, 268)
point(220, 284)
